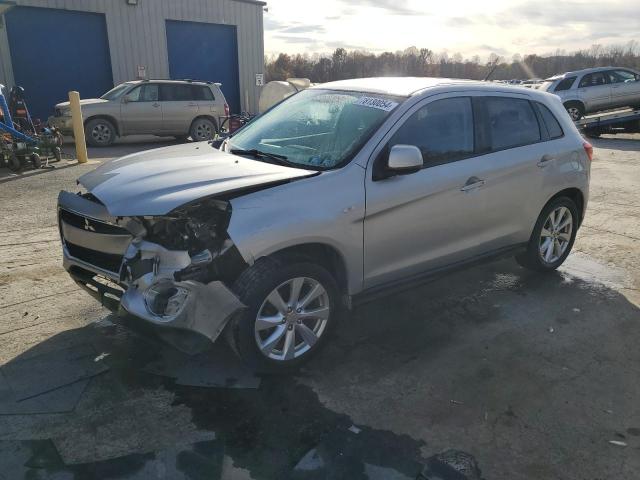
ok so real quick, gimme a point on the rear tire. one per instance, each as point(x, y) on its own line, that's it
point(203, 129)
point(553, 236)
point(14, 163)
point(274, 339)
point(100, 132)
point(575, 110)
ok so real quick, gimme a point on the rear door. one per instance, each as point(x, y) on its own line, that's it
point(141, 111)
point(625, 88)
point(179, 107)
point(512, 167)
point(595, 91)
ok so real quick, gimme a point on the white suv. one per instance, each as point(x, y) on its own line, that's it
point(179, 108)
point(341, 192)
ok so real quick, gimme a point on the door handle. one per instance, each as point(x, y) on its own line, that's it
point(546, 160)
point(155, 105)
point(193, 104)
point(472, 184)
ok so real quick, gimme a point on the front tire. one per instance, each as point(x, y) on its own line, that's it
point(552, 237)
point(292, 306)
point(575, 110)
point(100, 132)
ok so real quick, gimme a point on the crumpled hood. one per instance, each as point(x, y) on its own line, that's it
point(157, 181)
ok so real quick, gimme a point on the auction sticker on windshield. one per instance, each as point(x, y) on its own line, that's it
point(380, 103)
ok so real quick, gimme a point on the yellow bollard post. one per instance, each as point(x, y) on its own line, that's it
point(78, 127)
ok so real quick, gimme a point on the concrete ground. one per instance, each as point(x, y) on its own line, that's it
point(533, 375)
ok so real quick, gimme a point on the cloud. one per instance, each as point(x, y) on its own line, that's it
point(393, 7)
point(455, 22)
point(296, 40)
point(304, 29)
point(492, 49)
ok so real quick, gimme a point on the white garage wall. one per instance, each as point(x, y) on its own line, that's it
point(137, 36)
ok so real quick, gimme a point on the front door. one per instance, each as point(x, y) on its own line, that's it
point(141, 112)
point(179, 107)
point(426, 219)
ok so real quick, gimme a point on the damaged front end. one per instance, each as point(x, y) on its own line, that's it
point(171, 271)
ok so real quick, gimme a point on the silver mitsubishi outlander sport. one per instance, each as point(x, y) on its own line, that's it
point(339, 193)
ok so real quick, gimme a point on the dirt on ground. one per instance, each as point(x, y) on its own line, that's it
point(534, 376)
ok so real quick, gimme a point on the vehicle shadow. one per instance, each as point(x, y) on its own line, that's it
point(494, 338)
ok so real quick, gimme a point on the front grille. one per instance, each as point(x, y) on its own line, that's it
point(91, 225)
point(105, 261)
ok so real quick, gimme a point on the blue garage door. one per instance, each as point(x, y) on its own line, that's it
point(54, 51)
point(205, 51)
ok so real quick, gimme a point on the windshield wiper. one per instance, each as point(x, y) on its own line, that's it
point(281, 159)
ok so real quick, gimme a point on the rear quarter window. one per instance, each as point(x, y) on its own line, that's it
point(550, 122)
point(511, 122)
point(200, 92)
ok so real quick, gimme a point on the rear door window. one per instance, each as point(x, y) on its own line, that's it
point(550, 122)
point(565, 84)
point(511, 122)
point(593, 80)
point(176, 92)
point(442, 130)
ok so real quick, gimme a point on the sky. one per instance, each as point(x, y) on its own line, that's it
point(479, 27)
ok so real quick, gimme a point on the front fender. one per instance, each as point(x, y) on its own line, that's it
point(326, 209)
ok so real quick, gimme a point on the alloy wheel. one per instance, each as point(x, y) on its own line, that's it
point(203, 131)
point(574, 113)
point(292, 318)
point(101, 133)
point(555, 235)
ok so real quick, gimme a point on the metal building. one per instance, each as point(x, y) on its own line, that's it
point(50, 47)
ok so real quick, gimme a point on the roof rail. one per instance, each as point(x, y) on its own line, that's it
point(189, 80)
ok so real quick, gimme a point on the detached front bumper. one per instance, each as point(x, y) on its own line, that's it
point(137, 277)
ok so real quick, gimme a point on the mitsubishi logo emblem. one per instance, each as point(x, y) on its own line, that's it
point(87, 226)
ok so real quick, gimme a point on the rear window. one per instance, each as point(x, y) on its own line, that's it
point(512, 122)
point(550, 122)
point(565, 84)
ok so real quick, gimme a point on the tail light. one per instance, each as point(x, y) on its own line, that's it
point(226, 110)
point(588, 149)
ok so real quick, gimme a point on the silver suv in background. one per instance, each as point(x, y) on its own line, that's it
point(339, 193)
point(595, 89)
point(179, 108)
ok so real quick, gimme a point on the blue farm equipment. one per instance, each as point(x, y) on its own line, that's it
point(21, 142)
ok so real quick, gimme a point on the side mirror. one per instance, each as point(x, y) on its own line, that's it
point(126, 99)
point(404, 159)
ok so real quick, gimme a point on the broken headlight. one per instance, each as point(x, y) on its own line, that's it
point(193, 228)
